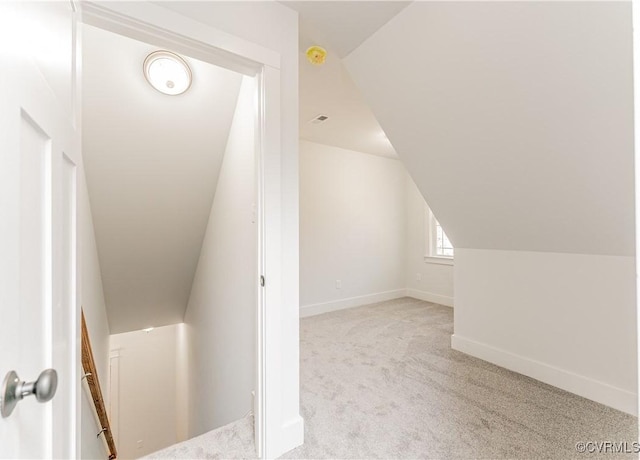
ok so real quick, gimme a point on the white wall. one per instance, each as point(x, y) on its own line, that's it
point(93, 305)
point(352, 227)
point(565, 319)
point(516, 123)
point(435, 283)
point(221, 315)
point(147, 389)
point(362, 222)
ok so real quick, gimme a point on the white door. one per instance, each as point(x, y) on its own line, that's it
point(38, 145)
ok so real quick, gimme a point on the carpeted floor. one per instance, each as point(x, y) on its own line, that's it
point(381, 381)
point(234, 440)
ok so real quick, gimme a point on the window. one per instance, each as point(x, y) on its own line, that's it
point(443, 245)
point(439, 248)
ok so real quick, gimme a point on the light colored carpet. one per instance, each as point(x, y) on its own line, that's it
point(234, 440)
point(381, 381)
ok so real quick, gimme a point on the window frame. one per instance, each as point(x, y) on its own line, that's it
point(431, 242)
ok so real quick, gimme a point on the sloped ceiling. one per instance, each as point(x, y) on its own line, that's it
point(342, 25)
point(515, 119)
point(328, 89)
point(152, 163)
point(339, 26)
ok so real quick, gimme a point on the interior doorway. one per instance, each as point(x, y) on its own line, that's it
point(173, 185)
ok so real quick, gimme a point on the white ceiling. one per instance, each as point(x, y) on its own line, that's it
point(152, 163)
point(340, 27)
point(328, 90)
point(515, 119)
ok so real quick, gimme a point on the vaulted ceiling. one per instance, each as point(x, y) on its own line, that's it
point(328, 89)
point(342, 25)
point(152, 163)
point(339, 26)
point(515, 119)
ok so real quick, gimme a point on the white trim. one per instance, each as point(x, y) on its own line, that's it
point(258, 217)
point(352, 302)
point(430, 297)
point(114, 394)
point(635, 11)
point(292, 432)
point(430, 229)
point(431, 239)
point(270, 346)
point(440, 260)
point(334, 305)
point(158, 25)
point(132, 19)
point(595, 390)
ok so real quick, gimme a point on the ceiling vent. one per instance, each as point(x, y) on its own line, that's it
point(319, 119)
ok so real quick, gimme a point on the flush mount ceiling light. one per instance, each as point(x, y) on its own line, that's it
point(167, 72)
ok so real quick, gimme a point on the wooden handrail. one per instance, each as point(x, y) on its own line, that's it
point(89, 366)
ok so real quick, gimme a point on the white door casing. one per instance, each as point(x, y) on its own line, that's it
point(38, 158)
point(164, 28)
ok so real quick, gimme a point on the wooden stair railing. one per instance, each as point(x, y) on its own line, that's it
point(89, 366)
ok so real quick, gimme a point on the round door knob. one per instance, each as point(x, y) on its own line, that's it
point(14, 390)
point(46, 385)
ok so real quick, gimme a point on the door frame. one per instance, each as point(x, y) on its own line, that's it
point(162, 27)
point(635, 18)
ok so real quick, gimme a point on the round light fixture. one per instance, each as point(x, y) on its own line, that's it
point(167, 72)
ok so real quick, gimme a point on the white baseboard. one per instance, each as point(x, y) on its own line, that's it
point(430, 297)
point(292, 436)
point(586, 387)
point(326, 307)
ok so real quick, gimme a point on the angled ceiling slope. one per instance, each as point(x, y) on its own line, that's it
point(328, 89)
point(515, 119)
point(152, 163)
point(342, 25)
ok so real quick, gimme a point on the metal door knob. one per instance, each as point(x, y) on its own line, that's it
point(14, 390)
